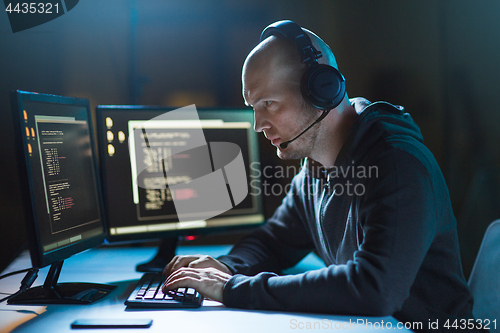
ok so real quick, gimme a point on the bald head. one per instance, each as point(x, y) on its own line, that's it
point(277, 59)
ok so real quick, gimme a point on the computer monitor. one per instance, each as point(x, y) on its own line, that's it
point(60, 191)
point(174, 150)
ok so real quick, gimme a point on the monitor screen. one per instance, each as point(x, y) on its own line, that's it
point(60, 178)
point(60, 188)
point(178, 172)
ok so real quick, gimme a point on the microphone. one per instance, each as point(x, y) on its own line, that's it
point(320, 118)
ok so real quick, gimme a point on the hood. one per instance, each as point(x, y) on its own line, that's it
point(377, 122)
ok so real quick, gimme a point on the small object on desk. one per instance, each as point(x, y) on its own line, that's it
point(112, 323)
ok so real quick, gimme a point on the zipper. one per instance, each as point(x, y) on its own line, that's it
point(320, 229)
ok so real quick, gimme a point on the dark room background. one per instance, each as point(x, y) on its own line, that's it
point(438, 58)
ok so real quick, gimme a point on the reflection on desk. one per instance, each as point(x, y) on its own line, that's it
point(116, 265)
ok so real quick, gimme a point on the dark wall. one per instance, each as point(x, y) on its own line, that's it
point(438, 58)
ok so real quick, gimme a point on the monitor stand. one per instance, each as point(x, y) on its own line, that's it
point(166, 251)
point(62, 293)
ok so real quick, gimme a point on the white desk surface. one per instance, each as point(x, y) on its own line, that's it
point(113, 265)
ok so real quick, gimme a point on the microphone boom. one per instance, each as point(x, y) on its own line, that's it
point(285, 144)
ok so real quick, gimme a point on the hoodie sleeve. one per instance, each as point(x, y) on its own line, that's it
point(280, 243)
point(398, 216)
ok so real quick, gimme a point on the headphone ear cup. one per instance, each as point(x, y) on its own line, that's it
point(322, 86)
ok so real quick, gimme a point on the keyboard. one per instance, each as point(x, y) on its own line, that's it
point(148, 294)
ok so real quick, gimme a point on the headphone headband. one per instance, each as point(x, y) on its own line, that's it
point(292, 31)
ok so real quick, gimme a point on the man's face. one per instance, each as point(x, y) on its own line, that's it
point(279, 109)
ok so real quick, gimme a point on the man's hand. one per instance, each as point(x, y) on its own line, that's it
point(203, 273)
point(207, 281)
point(194, 261)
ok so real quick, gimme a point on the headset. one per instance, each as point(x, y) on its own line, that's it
point(322, 86)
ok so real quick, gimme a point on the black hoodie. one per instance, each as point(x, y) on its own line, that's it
point(381, 220)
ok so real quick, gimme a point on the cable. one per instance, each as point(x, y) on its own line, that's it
point(14, 273)
point(10, 296)
point(28, 280)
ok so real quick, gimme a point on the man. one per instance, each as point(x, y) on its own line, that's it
point(370, 199)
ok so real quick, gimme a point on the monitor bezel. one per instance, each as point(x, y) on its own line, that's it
point(153, 236)
point(40, 259)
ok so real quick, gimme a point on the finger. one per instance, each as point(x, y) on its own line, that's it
point(209, 282)
point(193, 275)
point(183, 282)
point(201, 262)
point(183, 261)
point(189, 279)
point(169, 268)
point(196, 274)
point(183, 274)
point(178, 262)
point(208, 261)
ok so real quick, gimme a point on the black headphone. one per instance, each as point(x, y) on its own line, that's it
point(322, 86)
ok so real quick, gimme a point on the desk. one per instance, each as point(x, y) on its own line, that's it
point(116, 266)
